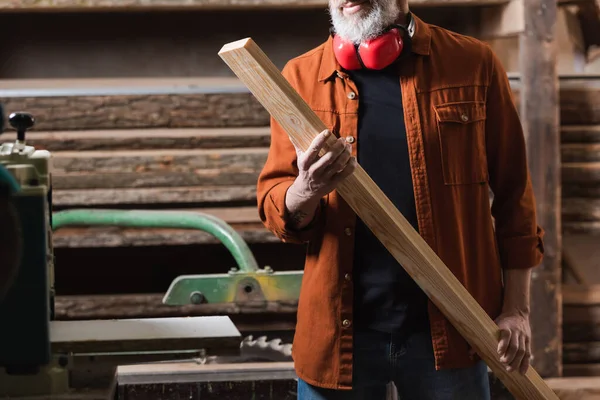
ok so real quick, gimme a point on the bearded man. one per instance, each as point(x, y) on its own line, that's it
point(429, 114)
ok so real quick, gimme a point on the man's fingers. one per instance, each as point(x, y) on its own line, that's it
point(346, 172)
point(504, 341)
point(312, 153)
point(527, 358)
point(339, 164)
point(526, 363)
point(511, 352)
point(320, 166)
point(520, 354)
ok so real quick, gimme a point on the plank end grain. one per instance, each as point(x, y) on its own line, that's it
point(231, 46)
point(285, 105)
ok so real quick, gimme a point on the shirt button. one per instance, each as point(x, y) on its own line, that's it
point(348, 231)
point(464, 117)
point(350, 139)
point(347, 277)
point(351, 95)
point(346, 323)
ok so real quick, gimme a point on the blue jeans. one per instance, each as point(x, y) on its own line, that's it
point(380, 358)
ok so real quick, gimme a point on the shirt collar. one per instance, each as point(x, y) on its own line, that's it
point(421, 44)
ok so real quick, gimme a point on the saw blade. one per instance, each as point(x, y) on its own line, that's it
point(259, 350)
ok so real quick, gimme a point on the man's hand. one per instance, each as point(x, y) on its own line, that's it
point(318, 176)
point(514, 346)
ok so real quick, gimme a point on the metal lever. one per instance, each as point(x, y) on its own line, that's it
point(21, 121)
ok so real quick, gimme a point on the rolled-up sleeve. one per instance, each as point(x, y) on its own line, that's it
point(519, 237)
point(279, 172)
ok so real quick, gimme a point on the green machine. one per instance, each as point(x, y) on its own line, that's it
point(26, 199)
point(40, 356)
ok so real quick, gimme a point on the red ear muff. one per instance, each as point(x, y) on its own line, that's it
point(345, 52)
point(377, 53)
point(381, 51)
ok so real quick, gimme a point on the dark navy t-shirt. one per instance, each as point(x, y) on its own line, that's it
point(386, 297)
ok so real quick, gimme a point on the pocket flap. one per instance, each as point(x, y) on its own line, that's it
point(463, 112)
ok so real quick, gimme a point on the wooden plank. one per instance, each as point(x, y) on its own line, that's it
point(581, 353)
point(581, 324)
point(540, 110)
point(581, 227)
point(168, 196)
point(583, 295)
point(141, 111)
point(272, 380)
point(219, 177)
point(581, 172)
point(580, 209)
point(579, 99)
point(578, 332)
point(577, 189)
point(126, 237)
point(286, 106)
point(114, 86)
point(149, 139)
point(188, 372)
point(576, 388)
point(152, 168)
point(164, 5)
point(166, 161)
point(580, 152)
point(81, 104)
point(581, 307)
point(149, 334)
point(580, 180)
point(580, 370)
point(580, 133)
point(150, 305)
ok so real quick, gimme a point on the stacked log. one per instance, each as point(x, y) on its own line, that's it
point(581, 330)
point(580, 120)
point(194, 145)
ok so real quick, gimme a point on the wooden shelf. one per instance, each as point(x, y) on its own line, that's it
point(166, 5)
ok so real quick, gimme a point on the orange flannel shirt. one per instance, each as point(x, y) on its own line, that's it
point(464, 138)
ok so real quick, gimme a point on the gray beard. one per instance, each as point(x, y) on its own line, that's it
point(363, 27)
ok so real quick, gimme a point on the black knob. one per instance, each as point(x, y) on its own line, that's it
point(21, 122)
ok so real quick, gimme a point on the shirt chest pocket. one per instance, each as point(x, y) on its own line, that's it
point(461, 132)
